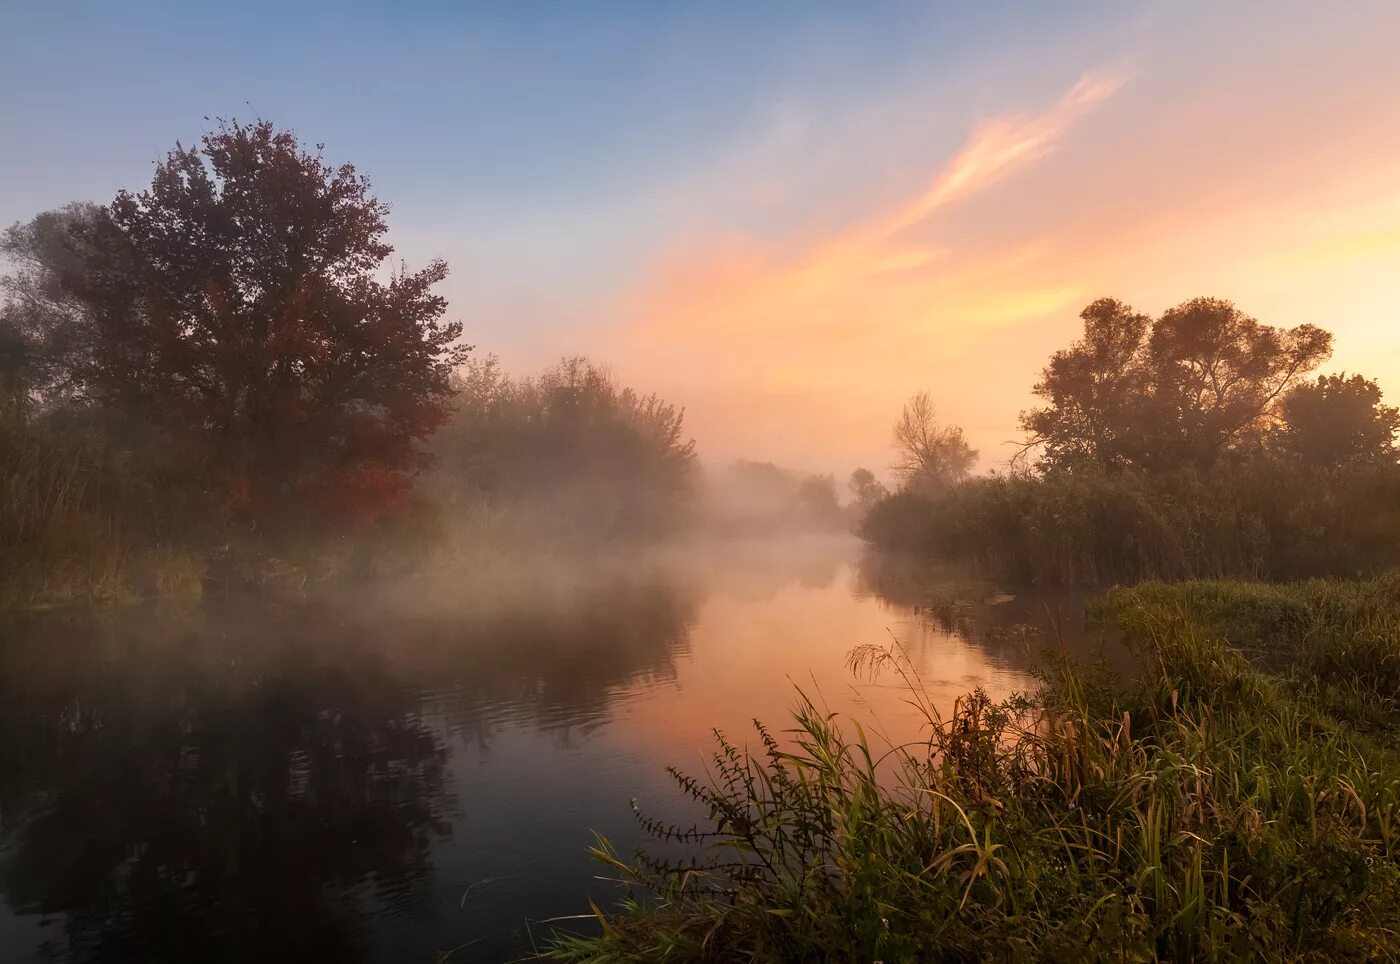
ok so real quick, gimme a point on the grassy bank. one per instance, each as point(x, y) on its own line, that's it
point(79, 521)
point(84, 520)
point(1264, 519)
point(1240, 800)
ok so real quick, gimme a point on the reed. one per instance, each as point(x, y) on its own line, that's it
point(77, 522)
point(1240, 800)
point(1263, 519)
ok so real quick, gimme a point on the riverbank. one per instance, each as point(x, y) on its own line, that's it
point(1239, 800)
point(1259, 518)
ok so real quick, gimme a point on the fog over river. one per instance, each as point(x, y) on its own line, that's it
point(416, 768)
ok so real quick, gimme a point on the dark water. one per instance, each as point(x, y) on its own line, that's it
point(396, 773)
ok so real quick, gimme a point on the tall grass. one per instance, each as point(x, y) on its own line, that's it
point(77, 523)
point(1262, 519)
point(1218, 808)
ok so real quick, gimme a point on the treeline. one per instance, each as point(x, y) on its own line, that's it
point(1195, 445)
point(569, 455)
point(762, 499)
point(225, 375)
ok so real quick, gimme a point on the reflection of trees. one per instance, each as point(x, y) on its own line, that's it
point(1014, 628)
point(756, 570)
point(248, 780)
point(209, 799)
point(558, 663)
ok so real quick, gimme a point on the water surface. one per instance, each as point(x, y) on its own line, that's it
point(406, 770)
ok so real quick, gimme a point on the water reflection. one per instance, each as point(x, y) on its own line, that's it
point(401, 772)
point(178, 794)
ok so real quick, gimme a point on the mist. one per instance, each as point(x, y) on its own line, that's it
point(792, 484)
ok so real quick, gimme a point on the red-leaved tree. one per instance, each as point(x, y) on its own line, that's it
point(243, 305)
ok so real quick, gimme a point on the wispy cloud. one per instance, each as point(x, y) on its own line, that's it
point(775, 284)
point(786, 321)
point(1001, 147)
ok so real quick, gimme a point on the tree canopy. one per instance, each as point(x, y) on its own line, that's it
point(242, 305)
point(865, 489)
point(1338, 419)
point(1202, 380)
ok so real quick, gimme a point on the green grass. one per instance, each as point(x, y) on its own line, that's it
point(1239, 801)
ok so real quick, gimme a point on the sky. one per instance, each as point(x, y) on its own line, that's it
point(785, 217)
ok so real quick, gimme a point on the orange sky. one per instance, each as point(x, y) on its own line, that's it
point(1259, 164)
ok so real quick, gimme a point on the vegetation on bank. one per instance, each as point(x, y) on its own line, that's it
point(1261, 518)
point(1239, 800)
point(79, 520)
point(226, 377)
point(1188, 447)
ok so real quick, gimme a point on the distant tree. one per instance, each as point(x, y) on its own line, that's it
point(235, 304)
point(930, 456)
point(865, 489)
point(1203, 380)
point(1338, 419)
point(601, 456)
point(817, 496)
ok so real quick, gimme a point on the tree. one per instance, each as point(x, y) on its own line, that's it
point(1338, 419)
point(1203, 380)
point(44, 318)
point(930, 456)
point(1095, 389)
point(865, 489)
point(816, 495)
point(573, 444)
point(235, 305)
point(1217, 374)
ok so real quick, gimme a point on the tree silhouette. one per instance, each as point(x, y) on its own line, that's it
point(1338, 419)
point(865, 489)
point(1202, 380)
point(931, 457)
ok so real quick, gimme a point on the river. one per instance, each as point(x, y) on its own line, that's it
point(398, 772)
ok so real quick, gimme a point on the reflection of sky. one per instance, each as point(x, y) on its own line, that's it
point(791, 219)
point(527, 793)
point(197, 732)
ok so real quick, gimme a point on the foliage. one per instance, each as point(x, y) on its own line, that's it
point(1338, 419)
point(1261, 518)
point(931, 457)
point(1175, 449)
point(577, 449)
point(235, 305)
point(1209, 811)
point(41, 313)
point(866, 490)
point(1203, 380)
